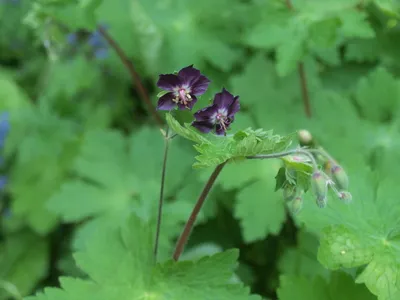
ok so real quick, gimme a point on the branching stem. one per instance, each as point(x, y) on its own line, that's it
point(286, 153)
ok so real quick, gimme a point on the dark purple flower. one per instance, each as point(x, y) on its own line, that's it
point(183, 88)
point(219, 115)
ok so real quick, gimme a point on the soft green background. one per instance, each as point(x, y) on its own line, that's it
point(84, 155)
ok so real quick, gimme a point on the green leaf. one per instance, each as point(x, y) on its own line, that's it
point(256, 82)
point(40, 139)
point(377, 95)
point(118, 176)
point(363, 50)
point(354, 24)
point(24, 259)
point(127, 253)
point(362, 233)
point(302, 260)
point(259, 214)
point(12, 97)
point(340, 286)
point(292, 50)
point(169, 28)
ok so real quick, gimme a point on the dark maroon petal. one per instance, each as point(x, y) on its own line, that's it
point(168, 82)
point(200, 86)
point(203, 126)
point(189, 75)
point(165, 102)
point(223, 99)
point(206, 113)
point(234, 108)
point(219, 130)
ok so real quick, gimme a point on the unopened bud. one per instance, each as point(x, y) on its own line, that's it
point(289, 192)
point(297, 204)
point(305, 137)
point(339, 177)
point(319, 187)
point(345, 196)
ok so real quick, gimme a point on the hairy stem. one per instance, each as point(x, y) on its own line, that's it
point(286, 153)
point(180, 245)
point(134, 75)
point(303, 78)
point(162, 185)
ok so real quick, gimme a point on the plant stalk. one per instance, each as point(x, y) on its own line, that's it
point(161, 200)
point(134, 75)
point(180, 245)
point(302, 76)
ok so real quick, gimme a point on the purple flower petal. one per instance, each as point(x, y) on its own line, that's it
point(165, 102)
point(203, 126)
point(190, 104)
point(223, 99)
point(189, 75)
point(200, 86)
point(168, 82)
point(234, 108)
point(206, 113)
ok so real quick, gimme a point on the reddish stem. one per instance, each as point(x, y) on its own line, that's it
point(303, 78)
point(134, 75)
point(304, 89)
point(180, 245)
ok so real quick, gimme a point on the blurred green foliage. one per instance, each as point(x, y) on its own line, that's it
point(83, 156)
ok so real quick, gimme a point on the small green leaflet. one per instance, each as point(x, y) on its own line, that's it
point(121, 266)
point(215, 150)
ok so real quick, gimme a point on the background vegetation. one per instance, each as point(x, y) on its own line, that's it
point(82, 153)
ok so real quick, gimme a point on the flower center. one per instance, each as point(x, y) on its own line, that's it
point(222, 118)
point(183, 97)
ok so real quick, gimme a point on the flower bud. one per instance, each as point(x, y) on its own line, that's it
point(305, 137)
point(297, 204)
point(319, 187)
point(289, 192)
point(339, 177)
point(345, 196)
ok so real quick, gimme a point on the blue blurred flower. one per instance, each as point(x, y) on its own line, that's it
point(72, 38)
point(101, 53)
point(98, 43)
point(3, 181)
point(4, 129)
